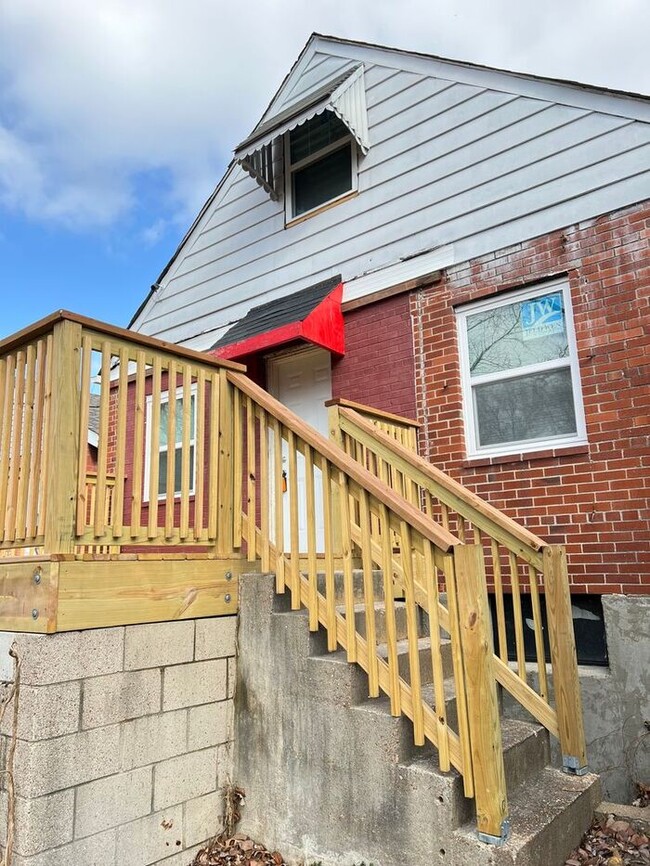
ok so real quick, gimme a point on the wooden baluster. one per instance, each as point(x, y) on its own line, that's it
point(170, 499)
point(518, 618)
point(444, 514)
point(294, 531)
point(186, 440)
point(394, 691)
point(482, 702)
point(37, 443)
point(449, 571)
point(220, 441)
point(431, 583)
point(368, 593)
point(84, 414)
point(16, 457)
point(498, 596)
point(228, 471)
point(154, 448)
point(99, 522)
point(539, 632)
point(348, 581)
point(312, 567)
point(413, 633)
point(251, 479)
point(238, 466)
point(201, 468)
point(566, 683)
point(45, 459)
point(265, 505)
point(138, 444)
point(330, 592)
point(6, 397)
point(117, 503)
point(460, 523)
point(26, 445)
point(278, 505)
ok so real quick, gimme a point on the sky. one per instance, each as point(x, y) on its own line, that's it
point(118, 117)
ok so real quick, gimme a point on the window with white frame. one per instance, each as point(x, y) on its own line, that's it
point(520, 376)
point(320, 164)
point(176, 446)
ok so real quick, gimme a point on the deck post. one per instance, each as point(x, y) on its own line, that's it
point(61, 478)
point(482, 703)
point(566, 683)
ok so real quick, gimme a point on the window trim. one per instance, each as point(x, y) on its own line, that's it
point(164, 398)
point(290, 168)
point(473, 449)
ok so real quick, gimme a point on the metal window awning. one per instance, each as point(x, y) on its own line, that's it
point(345, 96)
point(312, 315)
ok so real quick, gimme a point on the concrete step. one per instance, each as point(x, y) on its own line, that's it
point(380, 620)
point(311, 743)
point(426, 668)
point(548, 814)
point(357, 584)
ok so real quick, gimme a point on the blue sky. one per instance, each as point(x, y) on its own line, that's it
point(117, 118)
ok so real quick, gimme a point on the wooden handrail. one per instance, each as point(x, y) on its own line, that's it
point(443, 539)
point(362, 409)
point(515, 537)
point(45, 325)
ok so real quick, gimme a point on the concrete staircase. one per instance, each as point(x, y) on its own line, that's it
point(331, 777)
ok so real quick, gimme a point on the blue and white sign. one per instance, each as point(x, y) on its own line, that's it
point(542, 316)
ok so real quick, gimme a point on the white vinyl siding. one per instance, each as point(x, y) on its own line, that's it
point(520, 375)
point(464, 163)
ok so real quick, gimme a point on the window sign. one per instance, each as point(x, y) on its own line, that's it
point(543, 316)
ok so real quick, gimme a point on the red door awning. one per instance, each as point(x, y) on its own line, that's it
point(312, 315)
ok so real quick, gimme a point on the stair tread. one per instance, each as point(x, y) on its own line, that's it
point(536, 803)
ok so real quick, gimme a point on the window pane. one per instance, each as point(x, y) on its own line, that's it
point(178, 471)
point(315, 134)
point(322, 180)
point(164, 416)
point(516, 335)
point(536, 406)
point(178, 410)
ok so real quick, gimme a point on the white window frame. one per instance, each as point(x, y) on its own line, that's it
point(468, 383)
point(290, 169)
point(164, 398)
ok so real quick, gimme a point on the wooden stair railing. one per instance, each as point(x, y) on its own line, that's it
point(362, 517)
point(513, 558)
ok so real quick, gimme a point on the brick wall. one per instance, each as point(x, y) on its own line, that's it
point(595, 498)
point(124, 740)
point(377, 368)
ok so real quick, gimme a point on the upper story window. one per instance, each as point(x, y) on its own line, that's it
point(321, 164)
point(520, 376)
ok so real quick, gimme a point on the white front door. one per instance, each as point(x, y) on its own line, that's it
point(303, 382)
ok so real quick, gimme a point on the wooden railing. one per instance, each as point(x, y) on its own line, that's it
point(193, 456)
point(508, 557)
point(286, 461)
point(159, 420)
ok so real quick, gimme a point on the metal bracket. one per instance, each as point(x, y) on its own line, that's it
point(496, 840)
point(572, 766)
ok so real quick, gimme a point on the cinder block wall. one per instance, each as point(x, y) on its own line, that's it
point(124, 741)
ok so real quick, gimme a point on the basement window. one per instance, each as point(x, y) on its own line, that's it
point(320, 164)
point(519, 371)
point(588, 627)
point(176, 448)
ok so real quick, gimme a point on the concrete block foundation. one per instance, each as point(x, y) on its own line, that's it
point(124, 741)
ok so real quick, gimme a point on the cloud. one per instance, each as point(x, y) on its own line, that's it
point(97, 97)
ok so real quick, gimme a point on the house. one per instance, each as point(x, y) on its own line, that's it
point(468, 247)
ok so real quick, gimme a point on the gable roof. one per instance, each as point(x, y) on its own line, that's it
point(500, 91)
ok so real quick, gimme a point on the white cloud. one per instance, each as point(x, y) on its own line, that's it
point(94, 96)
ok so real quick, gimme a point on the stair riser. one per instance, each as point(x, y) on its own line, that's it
point(357, 585)
point(426, 665)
